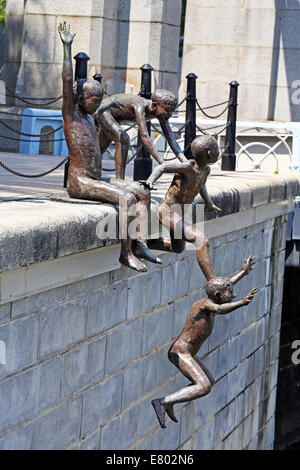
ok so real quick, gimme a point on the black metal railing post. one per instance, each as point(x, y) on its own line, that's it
point(229, 157)
point(98, 77)
point(143, 161)
point(190, 114)
point(81, 65)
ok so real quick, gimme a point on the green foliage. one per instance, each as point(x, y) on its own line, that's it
point(2, 12)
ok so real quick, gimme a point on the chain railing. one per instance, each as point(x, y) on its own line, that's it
point(142, 159)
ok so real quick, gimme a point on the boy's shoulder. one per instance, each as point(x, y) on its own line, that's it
point(204, 304)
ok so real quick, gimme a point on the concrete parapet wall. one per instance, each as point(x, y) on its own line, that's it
point(85, 357)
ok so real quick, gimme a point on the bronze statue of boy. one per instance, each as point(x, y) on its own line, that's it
point(198, 327)
point(139, 110)
point(80, 101)
point(189, 180)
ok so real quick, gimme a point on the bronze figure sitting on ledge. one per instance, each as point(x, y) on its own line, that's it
point(84, 181)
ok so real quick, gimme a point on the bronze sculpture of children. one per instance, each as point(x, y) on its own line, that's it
point(84, 181)
point(139, 110)
point(197, 329)
point(190, 178)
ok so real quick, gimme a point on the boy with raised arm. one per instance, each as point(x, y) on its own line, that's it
point(197, 329)
point(189, 180)
point(80, 101)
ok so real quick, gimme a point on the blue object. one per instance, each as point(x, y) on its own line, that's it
point(32, 123)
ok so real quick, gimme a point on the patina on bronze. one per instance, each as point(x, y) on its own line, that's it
point(190, 178)
point(84, 181)
point(137, 110)
point(197, 329)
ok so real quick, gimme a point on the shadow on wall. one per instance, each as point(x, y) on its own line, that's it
point(115, 32)
point(286, 35)
point(34, 72)
point(12, 49)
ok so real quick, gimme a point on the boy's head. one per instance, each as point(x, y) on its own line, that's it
point(88, 94)
point(164, 103)
point(220, 290)
point(205, 149)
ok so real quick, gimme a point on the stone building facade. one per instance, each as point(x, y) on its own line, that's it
point(254, 42)
point(118, 35)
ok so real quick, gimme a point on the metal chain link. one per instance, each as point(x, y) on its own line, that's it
point(182, 101)
point(25, 100)
point(212, 117)
point(215, 105)
point(39, 175)
point(203, 131)
point(177, 130)
point(29, 135)
point(30, 115)
point(26, 140)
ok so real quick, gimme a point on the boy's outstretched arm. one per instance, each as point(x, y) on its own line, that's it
point(167, 168)
point(223, 309)
point(67, 74)
point(168, 133)
point(209, 205)
point(249, 265)
point(145, 138)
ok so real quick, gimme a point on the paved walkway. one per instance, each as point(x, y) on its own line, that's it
point(15, 187)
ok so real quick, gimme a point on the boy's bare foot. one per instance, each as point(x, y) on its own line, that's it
point(158, 405)
point(170, 413)
point(142, 251)
point(132, 262)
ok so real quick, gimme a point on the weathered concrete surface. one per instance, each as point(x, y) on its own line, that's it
point(61, 389)
point(66, 304)
point(40, 229)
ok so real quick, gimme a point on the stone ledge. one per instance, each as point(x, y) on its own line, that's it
point(42, 229)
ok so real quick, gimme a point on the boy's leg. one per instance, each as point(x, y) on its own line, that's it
point(170, 244)
point(88, 188)
point(142, 195)
point(201, 384)
point(112, 130)
point(104, 140)
point(200, 377)
point(195, 236)
point(178, 226)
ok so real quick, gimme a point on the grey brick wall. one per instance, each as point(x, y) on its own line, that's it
point(85, 360)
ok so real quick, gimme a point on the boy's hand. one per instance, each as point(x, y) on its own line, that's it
point(249, 264)
point(65, 35)
point(212, 208)
point(250, 295)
